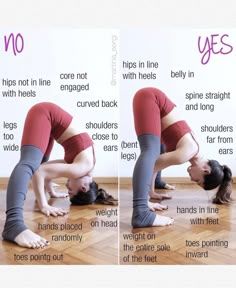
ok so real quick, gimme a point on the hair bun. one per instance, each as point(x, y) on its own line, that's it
point(227, 172)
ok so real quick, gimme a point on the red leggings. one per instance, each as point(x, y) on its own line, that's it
point(149, 106)
point(44, 122)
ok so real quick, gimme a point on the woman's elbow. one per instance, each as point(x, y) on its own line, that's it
point(39, 172)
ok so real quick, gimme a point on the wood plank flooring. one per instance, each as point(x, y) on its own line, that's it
point(85, 244)
point(208, 241)
point(191, 240)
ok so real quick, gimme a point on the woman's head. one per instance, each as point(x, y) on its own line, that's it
point(85, 197)
point(92, 195)
point(210, 175)
point(198, 170)
point(78, 184)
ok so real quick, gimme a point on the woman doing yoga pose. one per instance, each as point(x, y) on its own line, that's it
point(156, 120)
point(46, 122)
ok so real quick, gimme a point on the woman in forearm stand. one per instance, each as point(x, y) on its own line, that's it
point(46, 122)
point(156, 120)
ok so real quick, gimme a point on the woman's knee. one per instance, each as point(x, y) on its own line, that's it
point(28, 166)
point(31, 158)
point(150, 144)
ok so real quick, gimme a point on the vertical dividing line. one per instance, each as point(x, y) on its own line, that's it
point(118, 170)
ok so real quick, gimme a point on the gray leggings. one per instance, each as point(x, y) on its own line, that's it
point(142, 177)
point(159, 183)
point(30, 159)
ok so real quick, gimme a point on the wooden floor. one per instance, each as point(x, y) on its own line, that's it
point(85, 244)
point(201, 234)
point(208, 241)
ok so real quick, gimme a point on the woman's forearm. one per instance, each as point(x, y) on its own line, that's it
point(38, 187)
point(165, 160)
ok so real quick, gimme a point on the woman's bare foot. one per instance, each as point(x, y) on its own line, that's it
point(55, 194)
point(159, 196)
point(163, 185)
point(29, 239)
point(50, 188)
point(54, 184)
point(156, 206)
point(169, 187)
point(162, 221)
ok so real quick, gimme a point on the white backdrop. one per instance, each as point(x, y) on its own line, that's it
point(187, 14)
point(47, 54)
point(94, 53)
point(177, 51)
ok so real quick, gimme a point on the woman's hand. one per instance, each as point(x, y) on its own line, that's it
point(54, 211)
point(156, 206)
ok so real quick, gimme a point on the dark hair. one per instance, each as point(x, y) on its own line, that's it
point(93, 195)
point(221, 176)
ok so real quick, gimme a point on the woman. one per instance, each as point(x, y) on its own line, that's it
point(159, 182)
point(156, 120)
point(46, 122)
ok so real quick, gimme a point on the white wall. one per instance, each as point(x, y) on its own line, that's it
point(177, 50)
point(151, 14)
point(47, 54)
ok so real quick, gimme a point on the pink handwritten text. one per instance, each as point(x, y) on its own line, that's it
point(17, 43)
point(213, 44)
